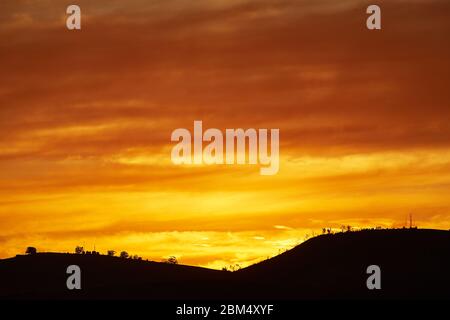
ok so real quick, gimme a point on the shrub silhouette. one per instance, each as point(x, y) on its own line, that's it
point(31, 250)
point(124, 254)
point(234, 267)
point(111, 253)
point(171, 260)
point(79, 250)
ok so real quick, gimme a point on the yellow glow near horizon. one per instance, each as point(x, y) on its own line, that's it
point(86, 120)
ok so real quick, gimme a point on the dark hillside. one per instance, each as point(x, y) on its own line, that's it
point(414, 264)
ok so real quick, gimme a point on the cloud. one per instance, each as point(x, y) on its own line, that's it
point(267, 70)
point(86, 116)
point(282, 227)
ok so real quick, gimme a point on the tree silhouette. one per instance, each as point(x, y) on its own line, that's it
point(124, 254)
point(232, 267)
point(111, 253)
point(172, 260)
point(79, 250)
point(31, 250)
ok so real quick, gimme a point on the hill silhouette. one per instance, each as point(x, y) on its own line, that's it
point(414, 264)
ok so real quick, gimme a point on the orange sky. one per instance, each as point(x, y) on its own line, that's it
point(86, 118)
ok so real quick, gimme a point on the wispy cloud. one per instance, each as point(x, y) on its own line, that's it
point(85, 120)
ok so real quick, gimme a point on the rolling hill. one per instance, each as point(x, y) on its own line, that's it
point(414, 263)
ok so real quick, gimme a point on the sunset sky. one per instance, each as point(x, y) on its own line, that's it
point(86, 118)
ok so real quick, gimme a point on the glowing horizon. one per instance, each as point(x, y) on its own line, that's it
point(86, 119)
